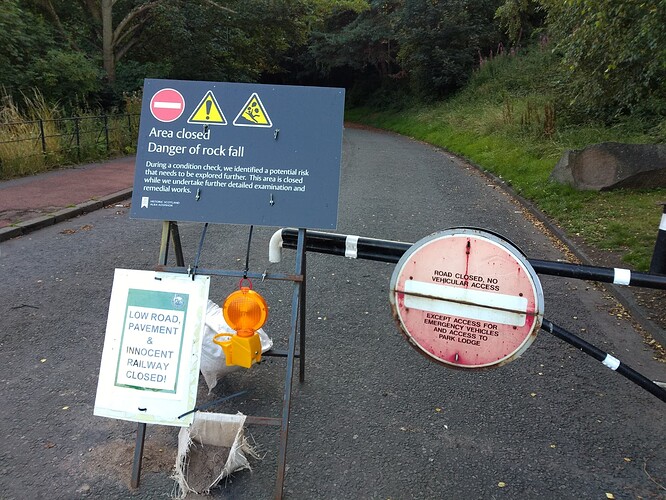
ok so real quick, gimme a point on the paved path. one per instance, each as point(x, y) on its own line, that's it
point(40, 200)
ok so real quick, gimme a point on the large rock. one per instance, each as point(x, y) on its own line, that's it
point(612, 165)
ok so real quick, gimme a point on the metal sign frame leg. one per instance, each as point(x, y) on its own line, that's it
point(297, 317)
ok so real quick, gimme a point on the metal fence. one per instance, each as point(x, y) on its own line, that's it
point(31, 146)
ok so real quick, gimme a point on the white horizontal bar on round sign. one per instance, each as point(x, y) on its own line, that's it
point(167, 105)
point(466, 303)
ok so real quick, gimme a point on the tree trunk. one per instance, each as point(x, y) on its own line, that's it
point(108, 52)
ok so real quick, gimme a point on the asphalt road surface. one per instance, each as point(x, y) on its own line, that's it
point(374, 418)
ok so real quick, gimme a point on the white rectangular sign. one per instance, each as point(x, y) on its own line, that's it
point(152, 349)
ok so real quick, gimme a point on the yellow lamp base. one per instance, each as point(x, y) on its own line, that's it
point(240, 351)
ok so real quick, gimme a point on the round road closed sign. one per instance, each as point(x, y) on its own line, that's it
point(467, 298)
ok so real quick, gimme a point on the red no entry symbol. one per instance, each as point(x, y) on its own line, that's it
point(167, 105)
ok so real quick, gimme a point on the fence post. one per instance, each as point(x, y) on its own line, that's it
point(106, 131)
point(78, 138)
point(42, 135)
point(658, 263)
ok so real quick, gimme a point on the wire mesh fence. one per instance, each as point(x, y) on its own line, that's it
point(28, 147)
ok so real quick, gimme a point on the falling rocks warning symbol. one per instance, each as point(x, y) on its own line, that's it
point(253, 114)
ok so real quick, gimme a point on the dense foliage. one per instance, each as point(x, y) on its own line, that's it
point(608, 56)
point(86, 53)
point(613, 55)
point(426, 48)
point(498, 122)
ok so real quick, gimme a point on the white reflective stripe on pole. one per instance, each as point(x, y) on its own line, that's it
point(351, 247)
point(662, 224)
point(622, 276)
point(611, 362)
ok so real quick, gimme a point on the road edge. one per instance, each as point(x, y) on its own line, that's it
point(620, 293)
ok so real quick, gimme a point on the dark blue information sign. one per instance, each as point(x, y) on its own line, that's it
point(239, 153)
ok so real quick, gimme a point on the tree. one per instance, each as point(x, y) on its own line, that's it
point(358, 41)
point(440, 42)
point(614, 53)
point(243, 39)
point(24, 38)
point(520, 18)
point(116, 40)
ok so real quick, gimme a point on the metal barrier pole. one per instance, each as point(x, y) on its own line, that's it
point(391, 251)
point(658, 262)
point(78, 138)
point(106, 131)
point(609, 361)
point(357, 247)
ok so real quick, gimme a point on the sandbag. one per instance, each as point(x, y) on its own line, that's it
point(209, 450)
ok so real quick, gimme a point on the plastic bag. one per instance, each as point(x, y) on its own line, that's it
point(213, 363)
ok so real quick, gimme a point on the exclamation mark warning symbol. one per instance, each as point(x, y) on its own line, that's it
point(208, 111)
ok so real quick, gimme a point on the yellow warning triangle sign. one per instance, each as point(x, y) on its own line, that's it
point(208, 111)
point(253, 114)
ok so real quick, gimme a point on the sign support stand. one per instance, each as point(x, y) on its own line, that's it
point(170, 234)
point(297, 315)
point(138, 454)
point(284, 168)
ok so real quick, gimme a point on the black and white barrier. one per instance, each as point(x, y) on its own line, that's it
point(606, 359)
point(357, 247)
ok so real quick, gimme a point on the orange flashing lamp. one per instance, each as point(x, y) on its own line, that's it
point(245, 311)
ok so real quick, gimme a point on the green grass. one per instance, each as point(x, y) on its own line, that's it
point(499, 123)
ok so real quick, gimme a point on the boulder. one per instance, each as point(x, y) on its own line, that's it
point(612, 165)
